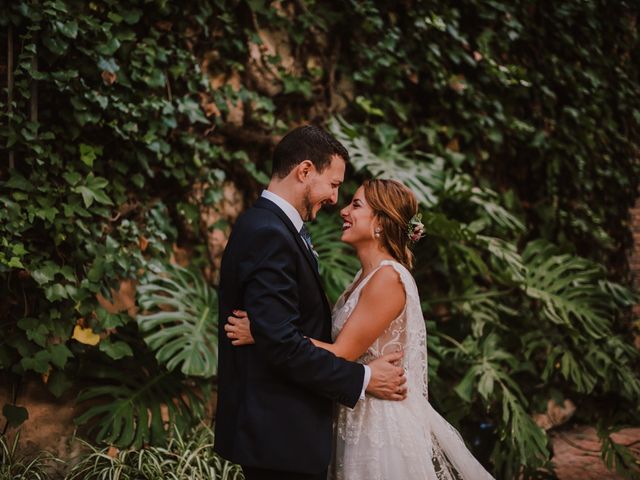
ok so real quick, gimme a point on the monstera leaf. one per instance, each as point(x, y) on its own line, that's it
point(389, 160)
point(179, 319)
point(567, 288)
point(131, 403)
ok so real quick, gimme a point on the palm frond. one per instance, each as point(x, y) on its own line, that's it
point(180, 319)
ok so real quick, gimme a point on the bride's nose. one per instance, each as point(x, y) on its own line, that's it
point(343, 212)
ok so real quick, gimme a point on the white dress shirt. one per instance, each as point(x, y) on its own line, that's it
point(293, 215)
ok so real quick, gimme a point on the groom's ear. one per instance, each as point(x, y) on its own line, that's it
point(303, 170)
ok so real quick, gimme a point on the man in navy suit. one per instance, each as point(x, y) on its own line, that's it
point(275, 398)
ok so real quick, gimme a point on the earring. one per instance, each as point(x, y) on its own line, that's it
point(377, 232)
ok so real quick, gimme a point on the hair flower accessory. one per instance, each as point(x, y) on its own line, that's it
point(415, 229)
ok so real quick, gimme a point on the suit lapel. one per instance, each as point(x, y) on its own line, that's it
point(269, 205)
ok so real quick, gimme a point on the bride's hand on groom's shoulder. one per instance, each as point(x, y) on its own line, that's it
point(238, 329)
point(387, 377)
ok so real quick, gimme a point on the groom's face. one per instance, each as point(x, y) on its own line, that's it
point(322, 188)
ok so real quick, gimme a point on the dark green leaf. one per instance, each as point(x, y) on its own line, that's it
point(116, 350)
point(15, 415)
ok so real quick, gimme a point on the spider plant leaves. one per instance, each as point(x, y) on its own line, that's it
point(188, 455)
point(179, 319)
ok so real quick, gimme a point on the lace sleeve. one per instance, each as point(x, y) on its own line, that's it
point(415, 339)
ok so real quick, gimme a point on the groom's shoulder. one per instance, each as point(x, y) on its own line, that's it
point(255, 218)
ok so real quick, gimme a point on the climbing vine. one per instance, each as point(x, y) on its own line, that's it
point(136, 131)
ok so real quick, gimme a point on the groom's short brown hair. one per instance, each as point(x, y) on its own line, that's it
point(308, 142)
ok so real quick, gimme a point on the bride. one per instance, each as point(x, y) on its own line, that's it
point(378, 313)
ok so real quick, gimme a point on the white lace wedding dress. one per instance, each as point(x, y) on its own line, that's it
point(408, 440)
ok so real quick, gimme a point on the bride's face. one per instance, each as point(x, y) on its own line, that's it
point(359, 220)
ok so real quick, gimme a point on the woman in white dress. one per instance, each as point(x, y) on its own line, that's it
point(378, 313)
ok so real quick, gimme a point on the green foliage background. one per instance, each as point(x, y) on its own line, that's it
point(516, 123)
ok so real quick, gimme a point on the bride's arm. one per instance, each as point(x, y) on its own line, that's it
point(381, 301)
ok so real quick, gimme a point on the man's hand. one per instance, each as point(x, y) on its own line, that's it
point(238, 329)
point(387, 378)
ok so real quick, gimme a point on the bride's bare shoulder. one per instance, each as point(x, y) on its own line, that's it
point(385, 286)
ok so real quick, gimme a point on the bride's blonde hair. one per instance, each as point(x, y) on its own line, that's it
point(394, 205)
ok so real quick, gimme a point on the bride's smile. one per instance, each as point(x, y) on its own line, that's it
point(358, 219)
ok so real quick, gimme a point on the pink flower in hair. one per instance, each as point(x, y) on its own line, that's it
point(415, 229)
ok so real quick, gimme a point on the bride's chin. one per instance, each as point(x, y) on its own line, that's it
point(343, 239)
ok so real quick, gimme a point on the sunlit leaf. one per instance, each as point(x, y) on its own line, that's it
point(85, 335)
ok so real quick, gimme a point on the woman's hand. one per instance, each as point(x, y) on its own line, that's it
point(238, 329)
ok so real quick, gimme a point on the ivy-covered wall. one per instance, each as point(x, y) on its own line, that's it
point(135, 130)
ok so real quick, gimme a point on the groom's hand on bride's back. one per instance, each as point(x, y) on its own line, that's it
point(238, 329)
point(387, 378)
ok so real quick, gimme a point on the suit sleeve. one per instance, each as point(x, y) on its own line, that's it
point(271, 300)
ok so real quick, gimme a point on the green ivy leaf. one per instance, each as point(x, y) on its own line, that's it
point(68, 29)
point(60, 354)
point(109, 48)
point(15, 262)
point(19, 182)
point(18, 249)
point(93, 190)
point(46, 273)
point(36, 331)
point(138, 180)
point(108, 65)
point(38, 363)
point(114, 17)
point(108, 320)
point(116, 350)
point(131, 16)
point(96, 271)
point(55, 292)
point(68, 273)
point(55, 44)
point(89, 153)
point(15, 415)
point(58, 383)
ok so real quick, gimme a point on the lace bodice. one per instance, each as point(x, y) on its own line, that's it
point(407, 332)
point(385, 440)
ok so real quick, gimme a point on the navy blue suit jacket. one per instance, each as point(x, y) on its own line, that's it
point(275, 398)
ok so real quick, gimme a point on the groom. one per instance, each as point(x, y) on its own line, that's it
point(275, 398)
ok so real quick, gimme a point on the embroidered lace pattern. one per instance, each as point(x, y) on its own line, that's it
point(385, 440)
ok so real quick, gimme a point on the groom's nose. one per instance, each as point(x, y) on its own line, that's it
point(334, 197)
